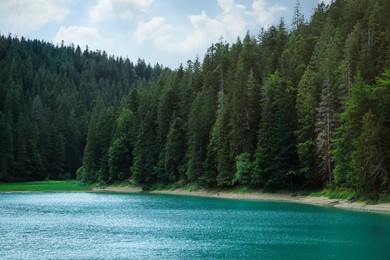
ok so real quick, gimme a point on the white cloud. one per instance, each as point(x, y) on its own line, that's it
point(156, 30)
point(83, 36)
point(166, 37)
point(30, 15)
point(204, 31)
point(234, 20)
point(139, 4)
point(325, 1)
point(100, 11)
point(266, 14)
point(122, 9)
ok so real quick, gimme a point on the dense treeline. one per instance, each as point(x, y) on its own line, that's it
point(305, 107)
point(47, 94)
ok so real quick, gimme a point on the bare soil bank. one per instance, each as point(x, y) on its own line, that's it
point(260, 196)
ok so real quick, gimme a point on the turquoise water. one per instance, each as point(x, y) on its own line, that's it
point(141, 226)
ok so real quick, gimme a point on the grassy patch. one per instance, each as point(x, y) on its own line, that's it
point(342, 194)
point(384, 198)
point(242, 189)
point(191, 187)
point(45, 186)
point(346, 194)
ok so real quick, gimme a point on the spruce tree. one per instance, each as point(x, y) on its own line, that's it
point(174, 151)
point(6, 156)
point(275, 158)
point(145, 152)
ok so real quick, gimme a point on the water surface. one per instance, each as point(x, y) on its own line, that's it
point(142, 226)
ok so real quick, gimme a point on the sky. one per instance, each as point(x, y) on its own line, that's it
point(169, 32)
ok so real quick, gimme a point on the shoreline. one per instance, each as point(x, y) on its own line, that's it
point(259, 196)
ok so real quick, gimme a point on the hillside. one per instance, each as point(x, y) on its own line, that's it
point(306, 107)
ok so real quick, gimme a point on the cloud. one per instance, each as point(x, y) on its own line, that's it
point(233, 20)
point(166, 37)
point(100, 11)
point(157, 30)
point(122, 9)
point(83, 36)
point(266, 14)
point(327, 2)
point(30, 15)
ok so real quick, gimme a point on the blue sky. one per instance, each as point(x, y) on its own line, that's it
point(166, 31)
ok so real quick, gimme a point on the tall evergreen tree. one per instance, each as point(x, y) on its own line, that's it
point(174, 151)
point(145, 152)
point(325, 125)
point(275, 155)
point(6, 154)
point(356, 107)
point(200, 121)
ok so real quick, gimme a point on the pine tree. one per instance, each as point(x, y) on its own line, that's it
point(174, 151)
point(200, 122)
point(73, 143)
point(356, 107)
point(6, 156)
point(252, 110)
point(119, 159)
point(244, 169)
point(298, 18)
point(133, 100)
point(217, 165)
point(225, 170)
point(368, 157)
point(308, 98)
point(239, 117)
point(275, 160)
point(95, 161)
point(145, 152)
point(168, 104)
point(325, 124)
point(120, 154)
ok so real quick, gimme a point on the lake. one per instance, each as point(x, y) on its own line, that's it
point(148, 226)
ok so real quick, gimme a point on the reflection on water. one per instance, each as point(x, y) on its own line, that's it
point(141, 226)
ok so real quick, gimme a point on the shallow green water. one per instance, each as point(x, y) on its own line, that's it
point(140, 226)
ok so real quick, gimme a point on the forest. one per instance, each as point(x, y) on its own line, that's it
point(303, 105)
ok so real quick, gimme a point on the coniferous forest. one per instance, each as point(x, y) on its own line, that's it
point(298, 105)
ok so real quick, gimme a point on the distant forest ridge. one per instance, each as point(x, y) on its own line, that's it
point(306, 107)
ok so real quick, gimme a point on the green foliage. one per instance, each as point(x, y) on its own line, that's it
point(47, 94)
point(275, 154)
point(359, 153)
point(306, 107)
point(6, 154)
point(44, 186)
point(174, 151)
point(119, 158)
point(84, 176)
point(98, 141)
point(356, 107)
point(242, 189)
point(339, 193)
point(145, 152)
point(244, 168)
point(201, 119)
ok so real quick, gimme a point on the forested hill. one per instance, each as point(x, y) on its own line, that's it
point(300, 105)
point(47, 94)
